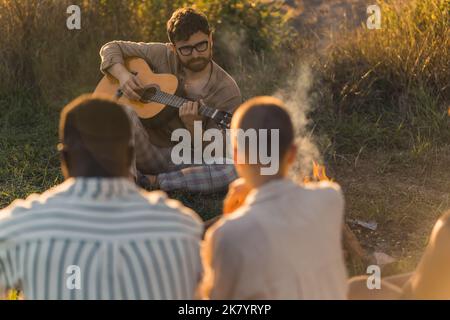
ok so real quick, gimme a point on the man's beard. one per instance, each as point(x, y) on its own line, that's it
point(196, 64)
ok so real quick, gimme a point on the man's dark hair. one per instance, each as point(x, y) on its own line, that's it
point(268, 113)
point(185, 22)
point(96, 131)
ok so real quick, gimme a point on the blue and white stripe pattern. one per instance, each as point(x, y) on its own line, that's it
point(127, 243)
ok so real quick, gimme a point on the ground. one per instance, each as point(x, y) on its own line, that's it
point(405, 195)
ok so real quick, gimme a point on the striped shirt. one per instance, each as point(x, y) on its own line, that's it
point(100, 238)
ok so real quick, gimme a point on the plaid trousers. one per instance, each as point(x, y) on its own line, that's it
point(155, 160)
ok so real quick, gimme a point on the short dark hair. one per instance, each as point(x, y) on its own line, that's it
point(98, 130)
point(185, 22)
point(94, 118)
point(265, 112)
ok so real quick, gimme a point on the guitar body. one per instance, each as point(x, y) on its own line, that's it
point(152, 110)
point(159, 100)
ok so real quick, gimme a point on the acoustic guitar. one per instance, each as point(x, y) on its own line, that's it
point(158, 102)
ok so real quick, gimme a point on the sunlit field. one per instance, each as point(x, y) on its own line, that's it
point(371, 105)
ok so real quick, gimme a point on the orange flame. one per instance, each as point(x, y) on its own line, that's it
point(319, 174)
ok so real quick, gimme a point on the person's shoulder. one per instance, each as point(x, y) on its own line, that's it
point(160, 201)
point(153, 50)
point(163, 46)
point(20, 207)
point(325, 194)
point(445, 219)
point(34, 201)
point(442, 229)
point(323, 185)
point(225, 80)
point(159, 48)
point(324, 188)
point(234, 227)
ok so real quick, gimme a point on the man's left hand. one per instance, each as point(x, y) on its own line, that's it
point(188, 113)
point(237, 193)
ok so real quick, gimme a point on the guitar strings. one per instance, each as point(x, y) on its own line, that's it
point(175, 101)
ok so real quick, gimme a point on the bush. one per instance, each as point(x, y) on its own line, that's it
point(378, 67)
point(389, 87)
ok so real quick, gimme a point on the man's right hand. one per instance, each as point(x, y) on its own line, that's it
point(131, 86)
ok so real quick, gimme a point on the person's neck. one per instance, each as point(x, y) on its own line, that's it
point(197, 75)
point(93, 174)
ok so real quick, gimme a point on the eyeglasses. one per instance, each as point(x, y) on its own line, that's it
point(199, 47)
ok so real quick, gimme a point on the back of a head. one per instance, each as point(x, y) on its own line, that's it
point(96, 131)
point(269, 113)
point(185, 22)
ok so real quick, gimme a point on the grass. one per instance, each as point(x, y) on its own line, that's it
point(28, 157)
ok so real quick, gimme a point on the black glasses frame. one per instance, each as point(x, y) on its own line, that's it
point(191, 48)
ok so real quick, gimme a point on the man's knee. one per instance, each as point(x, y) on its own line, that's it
point(222, 175)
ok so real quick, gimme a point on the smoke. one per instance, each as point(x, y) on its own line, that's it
point(299, 102)
point(232, 44)
point(234, 41)
point(296, 94)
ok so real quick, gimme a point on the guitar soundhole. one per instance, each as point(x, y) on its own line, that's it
point(148, 94)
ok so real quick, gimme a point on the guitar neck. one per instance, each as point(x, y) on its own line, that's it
point(177, 102)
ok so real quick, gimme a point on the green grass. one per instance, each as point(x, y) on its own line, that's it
point(28, 156)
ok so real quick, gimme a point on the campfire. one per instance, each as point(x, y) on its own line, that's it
point(318, 174)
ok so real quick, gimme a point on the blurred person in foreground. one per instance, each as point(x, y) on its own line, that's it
point(97, 235)
point(277, 239)
point(430, 280)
